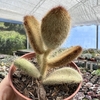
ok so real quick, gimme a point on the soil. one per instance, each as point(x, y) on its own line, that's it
point(33, 89)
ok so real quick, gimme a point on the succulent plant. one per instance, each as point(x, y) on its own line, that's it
point(44, 39)
point(86, 56)
point(97, 71)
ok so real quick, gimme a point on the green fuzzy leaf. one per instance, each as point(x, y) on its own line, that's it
point(27, 67)
point(63, 75)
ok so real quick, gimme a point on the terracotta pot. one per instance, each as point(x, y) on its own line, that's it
point(22, 97)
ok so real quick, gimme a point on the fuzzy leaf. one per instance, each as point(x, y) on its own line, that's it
point(55, 27)
point(65, 57)
point(27, 67)
point(33, 31)
point(63, 75)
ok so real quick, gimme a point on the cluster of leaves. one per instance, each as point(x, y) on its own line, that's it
point(11, 41)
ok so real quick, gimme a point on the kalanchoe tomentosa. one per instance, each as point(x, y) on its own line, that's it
point(45, 38)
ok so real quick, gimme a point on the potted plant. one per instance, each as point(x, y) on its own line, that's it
point(44, 40)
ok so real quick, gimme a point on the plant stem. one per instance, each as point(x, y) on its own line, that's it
point(39, 58)
point(44, 66)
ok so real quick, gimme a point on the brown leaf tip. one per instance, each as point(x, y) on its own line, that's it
point(26, 17)
point(58, 10)
point(79, 48)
